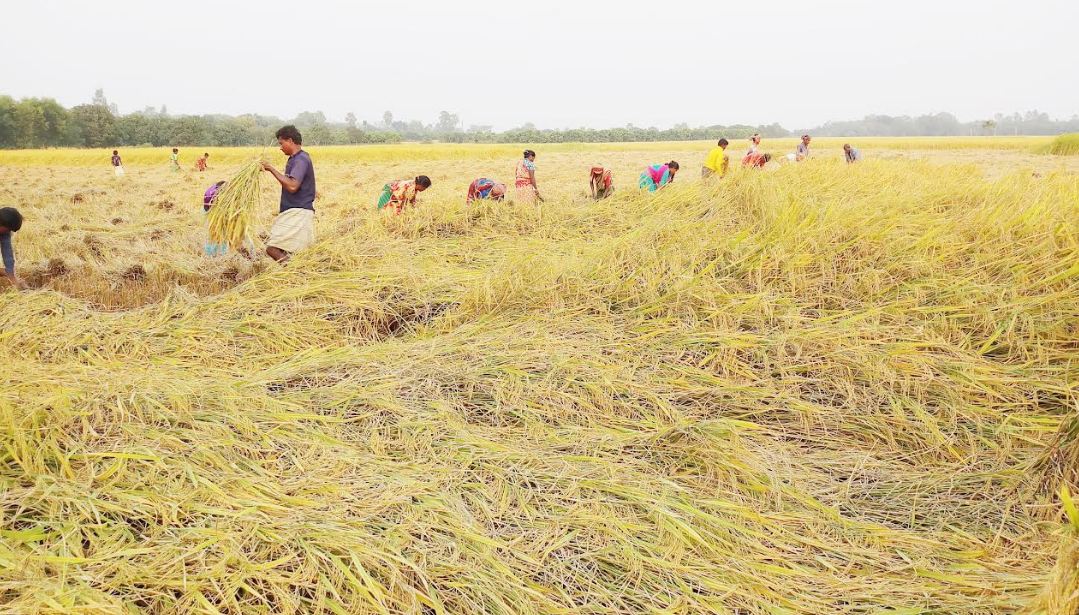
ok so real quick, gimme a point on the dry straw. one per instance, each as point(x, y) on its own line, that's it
point(230, 218)
point(823, 389)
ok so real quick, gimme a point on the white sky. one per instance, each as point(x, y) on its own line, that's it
point(504, 63)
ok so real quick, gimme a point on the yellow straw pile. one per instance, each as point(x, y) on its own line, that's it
point(230, 217)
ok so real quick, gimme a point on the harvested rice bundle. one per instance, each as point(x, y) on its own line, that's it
point(230, 217)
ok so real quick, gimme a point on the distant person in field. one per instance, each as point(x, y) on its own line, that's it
point(294, 227)
point(802, 152)
point(200, 163)
point(483, 188)
point(851, 154)
point(208, 198)
point(657, 176)
point(525, 179)
point(718, 162)
point(117, 164)
point(10, 222)
point(601, 182)
point(396, 195)
point(756, 160)
point(754, 145)
point(175, 159)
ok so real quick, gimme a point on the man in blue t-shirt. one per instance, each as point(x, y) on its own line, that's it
point(294, 227)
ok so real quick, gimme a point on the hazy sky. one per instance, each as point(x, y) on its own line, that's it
point(552, 62)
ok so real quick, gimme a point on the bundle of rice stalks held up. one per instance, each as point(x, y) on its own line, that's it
point(236, 202)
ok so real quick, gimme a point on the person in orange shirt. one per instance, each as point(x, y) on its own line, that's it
point(398, 194)
point(756, 160)
point(200, 163)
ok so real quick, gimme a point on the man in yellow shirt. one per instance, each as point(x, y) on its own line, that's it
point(717, 161)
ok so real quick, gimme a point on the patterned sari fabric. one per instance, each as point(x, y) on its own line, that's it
point(655, 177)
point(484, 188)
point(397, 194)
point(526, 190)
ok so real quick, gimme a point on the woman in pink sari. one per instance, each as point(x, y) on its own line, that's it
point(525, 176)
point(657, 176)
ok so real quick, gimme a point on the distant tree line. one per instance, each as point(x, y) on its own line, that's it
point(43, 122)
point(947, 125)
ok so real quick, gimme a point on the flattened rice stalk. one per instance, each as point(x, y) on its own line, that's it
point(230, 218)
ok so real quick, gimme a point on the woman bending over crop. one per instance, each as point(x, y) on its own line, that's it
point(658, 176)
point(484, 188)
point(210, 248)
point(525, 179)
point(756, 160)
point(601, 182)
point(397, 194)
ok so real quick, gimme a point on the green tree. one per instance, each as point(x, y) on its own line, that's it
point(7, 121)
point(447, 122)
point(57, 120)
point(96, 124)
point(29, 124)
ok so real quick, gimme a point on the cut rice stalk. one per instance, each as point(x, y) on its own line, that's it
point(230, 218)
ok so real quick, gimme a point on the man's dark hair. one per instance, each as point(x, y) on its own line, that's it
point(220, 183)
point(114, 152)
point(723, 143)
point(674, 165)
point(423, 180)
point(10, 218)
point(174, 150)
point(206, 155)
point(289, 132)
point(529, 152)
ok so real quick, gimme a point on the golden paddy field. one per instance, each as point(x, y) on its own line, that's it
point(816, 388)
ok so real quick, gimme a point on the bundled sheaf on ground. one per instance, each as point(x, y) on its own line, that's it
point(820, 389)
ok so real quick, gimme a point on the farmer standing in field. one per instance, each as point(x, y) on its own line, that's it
point(397, 194)
point(601, 182)
point(851, 154)
point(200, 163)
point(10, 222)
point(525, 179)
point(175, 159)
point(803, 149)
point(483, 188)
point(657, 176)
point(294, 227)
point(717, 162)
point(117, 164)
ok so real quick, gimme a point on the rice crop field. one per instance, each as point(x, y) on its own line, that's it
point(811, 389)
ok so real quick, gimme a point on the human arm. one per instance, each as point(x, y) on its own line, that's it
point(532, 178)
point(291, 182)
point(9, 261)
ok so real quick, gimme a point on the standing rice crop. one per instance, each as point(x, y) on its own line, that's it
point(231, 215)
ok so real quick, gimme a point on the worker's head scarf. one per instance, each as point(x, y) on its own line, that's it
point(602, 174)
